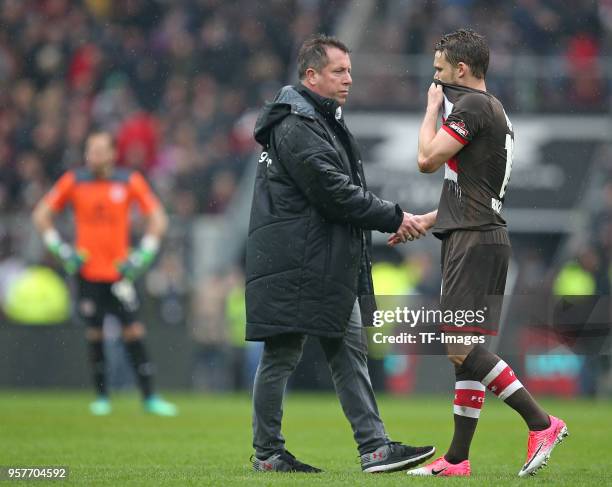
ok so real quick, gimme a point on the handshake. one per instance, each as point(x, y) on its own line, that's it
point(412, 227)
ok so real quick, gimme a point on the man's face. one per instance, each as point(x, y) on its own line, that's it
point(334, 80)
point(443, 70)
point(99, 152)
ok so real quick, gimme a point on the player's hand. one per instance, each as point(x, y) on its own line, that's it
point(435, 97)
point(125, 292)
point(136, 264)
point(140, 258)
point(71, 259)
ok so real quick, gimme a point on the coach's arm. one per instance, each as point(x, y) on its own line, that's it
point(316, 168)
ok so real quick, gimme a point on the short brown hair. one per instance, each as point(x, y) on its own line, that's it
point(313, 53)
point(466, 46)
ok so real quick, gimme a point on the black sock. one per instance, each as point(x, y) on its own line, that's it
point(500, 379)
point(459, 449)
point(469, 399)
point(523, 403)
point(142, 367)
point(98, 365)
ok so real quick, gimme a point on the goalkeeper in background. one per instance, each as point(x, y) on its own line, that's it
point(101, 196)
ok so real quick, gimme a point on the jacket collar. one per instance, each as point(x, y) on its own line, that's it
point(329, 107)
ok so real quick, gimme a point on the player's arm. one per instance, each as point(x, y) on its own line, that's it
point(156, 227)
point(142, 257)
point(43, 216)
point(435, 147)
point(429, 219)
point(157, 222)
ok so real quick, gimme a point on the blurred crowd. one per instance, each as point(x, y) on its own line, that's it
point(176, 82)
point(546, 27)
point(179, 83)
point(574, 36)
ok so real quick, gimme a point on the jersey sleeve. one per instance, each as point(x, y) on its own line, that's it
point(141, 192)
point(467, 118)
point(61, 192)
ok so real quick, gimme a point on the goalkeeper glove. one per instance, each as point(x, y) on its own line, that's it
point(71, 259)
point(140, 258)
point(125, 292)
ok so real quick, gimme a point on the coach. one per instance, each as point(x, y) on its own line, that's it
point(308, 257)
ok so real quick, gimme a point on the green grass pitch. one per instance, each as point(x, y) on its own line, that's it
point(209, 443)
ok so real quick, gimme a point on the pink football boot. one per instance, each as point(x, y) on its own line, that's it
point(541, 444)
point(441, 468)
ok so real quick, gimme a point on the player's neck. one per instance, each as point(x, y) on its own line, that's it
point(103, 172)
point(475, 84)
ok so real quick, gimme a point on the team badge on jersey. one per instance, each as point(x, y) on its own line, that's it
point(117, 193)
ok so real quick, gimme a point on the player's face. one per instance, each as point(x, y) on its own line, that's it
point(99, 153)
point(334, 80)
point(443, 70)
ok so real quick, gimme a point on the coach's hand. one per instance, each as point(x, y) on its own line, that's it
point(411, 228)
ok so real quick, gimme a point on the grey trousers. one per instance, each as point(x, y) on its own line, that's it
point(347, 359)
